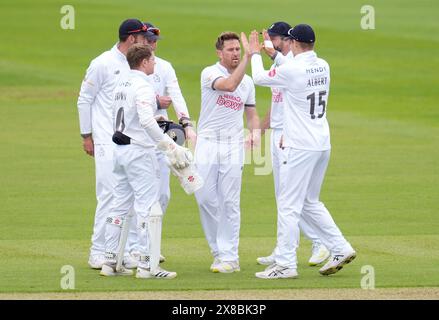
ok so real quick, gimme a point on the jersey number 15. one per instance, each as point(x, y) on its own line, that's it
point(312, 98)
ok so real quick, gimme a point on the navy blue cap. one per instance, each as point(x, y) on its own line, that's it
point(302, 33)
point(132, 26)
point(153, 33)
point(279, 29)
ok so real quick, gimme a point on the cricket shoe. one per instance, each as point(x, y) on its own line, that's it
point(96, 261)
point(162, 259)
point(276, 271)
point(131, 261)
point(215, 263)
point(226, 267)
point(159, 273)
point(266, 261)
point(109, 270)
point(336, 262)
point(319, 254)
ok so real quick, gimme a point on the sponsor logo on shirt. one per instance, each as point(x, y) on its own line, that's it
point(272, 73)
point(230, 101)
point(156, 78)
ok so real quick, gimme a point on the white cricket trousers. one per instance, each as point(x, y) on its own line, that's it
point(276, 158)
point(301, 177)
point(105, 182)
point(220, 165)
point(137, 179)
point(163, 199)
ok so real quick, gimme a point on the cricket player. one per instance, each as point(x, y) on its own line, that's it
point(226, 93)
point(167, 92)
point(136, 169)
point(304, 82)
point(277, 33)
point(96, 125)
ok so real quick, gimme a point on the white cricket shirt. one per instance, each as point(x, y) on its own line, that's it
point(221, 115)
point(165, 82)
point(304, 81)
point(95, 98)
point(277, 100)
point(134, 102)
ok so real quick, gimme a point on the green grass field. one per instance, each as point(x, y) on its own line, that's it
point(382, 183)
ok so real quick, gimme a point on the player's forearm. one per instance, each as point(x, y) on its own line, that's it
point(148, 122)
point(153, 130)
point(86, 98)
point(232, 82)
point(145, 104)
point(258, 70)
point(84, 110)
point(266, 78)
point(253, 122)
point(252, 140)
point(265, 123)
point(178, 101)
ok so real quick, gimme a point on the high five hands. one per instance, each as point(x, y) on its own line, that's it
point(251, 46)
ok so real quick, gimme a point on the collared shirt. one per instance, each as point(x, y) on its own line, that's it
point(221, 115)
point(96, 95)
point(304, 81)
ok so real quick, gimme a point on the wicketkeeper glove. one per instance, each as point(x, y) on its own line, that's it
point(179, 157)
point(189, 178)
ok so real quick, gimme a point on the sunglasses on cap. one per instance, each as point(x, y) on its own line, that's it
point(155, 31)
point(143, 29)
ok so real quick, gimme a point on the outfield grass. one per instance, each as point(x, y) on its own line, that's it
point(382, 182)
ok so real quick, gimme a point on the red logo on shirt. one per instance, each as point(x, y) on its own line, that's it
point(230, 102)
point(272, 73)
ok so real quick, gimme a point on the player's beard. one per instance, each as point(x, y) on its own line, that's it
point(234, 63)
point(279, 47)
